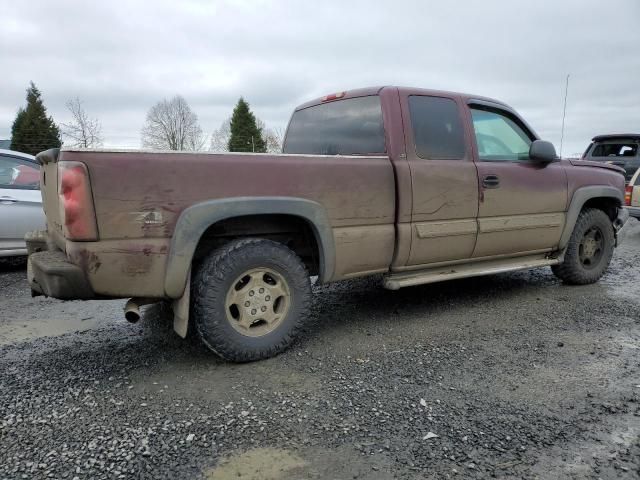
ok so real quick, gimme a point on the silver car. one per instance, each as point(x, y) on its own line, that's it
point(20, 201)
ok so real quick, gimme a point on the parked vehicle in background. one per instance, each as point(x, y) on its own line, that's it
point(622, 150)
point(20, 201)
point(632, 195)
point(418, 185)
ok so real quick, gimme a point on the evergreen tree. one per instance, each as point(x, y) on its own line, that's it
point(32, 130)
point(246, 136)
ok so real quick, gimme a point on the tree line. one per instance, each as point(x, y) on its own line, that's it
point(170, 124)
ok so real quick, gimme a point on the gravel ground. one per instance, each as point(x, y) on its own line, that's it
point(507, 376)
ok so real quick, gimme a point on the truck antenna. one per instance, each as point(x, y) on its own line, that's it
point(564, 113)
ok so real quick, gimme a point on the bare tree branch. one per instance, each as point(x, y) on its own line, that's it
point(273, 138)
point(172, 125)
point(220, 138)
point(83, 131)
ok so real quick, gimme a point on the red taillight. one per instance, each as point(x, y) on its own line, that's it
point(76, 202)
point(628, 190)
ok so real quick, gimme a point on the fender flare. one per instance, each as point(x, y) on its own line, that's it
point(195, 220)
point(580, 197)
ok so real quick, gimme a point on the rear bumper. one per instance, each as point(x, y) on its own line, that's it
point(50, 273)
point(621, 225)
point(102, 269)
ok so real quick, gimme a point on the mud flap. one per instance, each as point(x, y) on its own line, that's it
point(181, 310)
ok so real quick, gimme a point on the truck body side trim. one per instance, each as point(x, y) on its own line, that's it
point(520, 222)
point(450, 228)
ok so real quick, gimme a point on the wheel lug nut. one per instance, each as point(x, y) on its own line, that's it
point(246, 304)
point(254, 311)
point(251, 293)
point(264, 309)
point(261, 290)
point(267, 298)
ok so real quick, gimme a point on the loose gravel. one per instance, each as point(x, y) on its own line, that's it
point(507, 376)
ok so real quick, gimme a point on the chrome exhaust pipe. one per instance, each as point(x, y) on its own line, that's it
point(132, 308)
point(132, 311)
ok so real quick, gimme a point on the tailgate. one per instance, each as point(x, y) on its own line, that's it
point(49, 188)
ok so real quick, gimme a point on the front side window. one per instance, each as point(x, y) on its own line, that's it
point(437, 128)
point(17, 173)
point(498, 137)
point(344, 127)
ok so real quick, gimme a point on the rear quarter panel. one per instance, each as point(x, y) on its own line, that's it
point(138, 197)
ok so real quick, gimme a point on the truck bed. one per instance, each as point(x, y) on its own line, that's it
point(139, 196)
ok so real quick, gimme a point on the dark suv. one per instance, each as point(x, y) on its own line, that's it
point(622, 150)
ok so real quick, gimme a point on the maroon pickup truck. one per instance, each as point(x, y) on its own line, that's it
point(417, 185)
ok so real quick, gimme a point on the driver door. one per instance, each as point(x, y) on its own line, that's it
point(522, 203)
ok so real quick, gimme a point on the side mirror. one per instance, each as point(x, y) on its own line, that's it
point(543, 152)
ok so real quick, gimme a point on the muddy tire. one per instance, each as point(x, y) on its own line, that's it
point(250, 299)
point(589, 250)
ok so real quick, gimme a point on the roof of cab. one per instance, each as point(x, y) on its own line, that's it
point(362, 92)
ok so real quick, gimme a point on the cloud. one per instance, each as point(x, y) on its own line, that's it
point(122, 57)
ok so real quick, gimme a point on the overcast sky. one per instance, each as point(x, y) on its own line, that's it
point(122, 57)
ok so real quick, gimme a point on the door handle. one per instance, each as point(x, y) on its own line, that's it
point(8, 200)
point(491, 181)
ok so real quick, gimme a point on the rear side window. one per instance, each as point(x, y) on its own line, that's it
point(19, 174)
point(615, 149)
point(344, 127)
point(437, 128)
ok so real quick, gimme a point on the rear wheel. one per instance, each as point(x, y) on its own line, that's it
point(589, 250)
point(251, 298)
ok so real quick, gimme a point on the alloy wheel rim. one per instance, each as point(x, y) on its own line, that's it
point(257, 302)
point(591, 248)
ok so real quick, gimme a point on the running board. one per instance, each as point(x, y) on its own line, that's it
point(396, 281)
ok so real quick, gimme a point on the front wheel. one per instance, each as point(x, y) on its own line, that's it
point(589, 250)
point(250, 300)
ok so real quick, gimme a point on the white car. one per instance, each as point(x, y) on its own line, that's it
point(20, 201)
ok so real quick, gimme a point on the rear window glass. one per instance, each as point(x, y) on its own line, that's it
point(18, 173)
point(619, 149)
point(437, 128)
point(344, 127)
